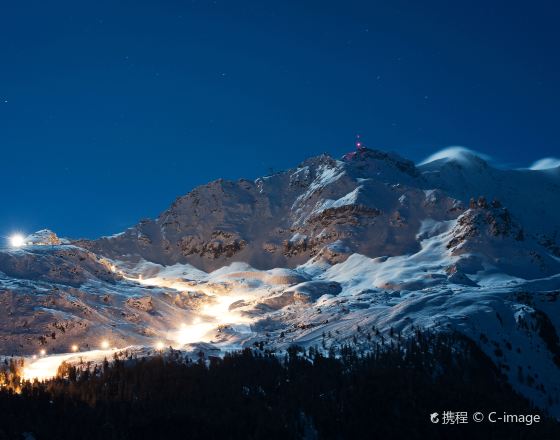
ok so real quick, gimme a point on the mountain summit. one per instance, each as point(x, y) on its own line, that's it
point(369, 202)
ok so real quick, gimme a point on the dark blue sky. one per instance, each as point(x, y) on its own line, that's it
point(109, 110)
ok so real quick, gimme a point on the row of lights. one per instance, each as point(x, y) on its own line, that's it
point(104, 346)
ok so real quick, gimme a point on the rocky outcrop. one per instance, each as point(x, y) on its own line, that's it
point(483, 219)
point(44, 237)
point(220, 244)
point(487, 234)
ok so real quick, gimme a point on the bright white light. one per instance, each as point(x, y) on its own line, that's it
point(74, 347)
point(192, 333)
point(17, 240)
point(212, 315)
point(44, 367)
point(160, 345)
point(43, 352)
point(104, 345)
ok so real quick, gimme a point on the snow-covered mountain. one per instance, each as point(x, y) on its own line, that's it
point(355, 250)
point(370, 202)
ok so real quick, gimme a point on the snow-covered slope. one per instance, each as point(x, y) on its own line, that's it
point(531, 195)
point(357, 251)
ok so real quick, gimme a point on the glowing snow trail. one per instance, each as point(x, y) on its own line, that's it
point(210, 316)
point(46, 367)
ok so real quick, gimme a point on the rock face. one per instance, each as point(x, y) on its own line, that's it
point(44, 237)
point(484, 221)
point(371, 202)
point(487, 234)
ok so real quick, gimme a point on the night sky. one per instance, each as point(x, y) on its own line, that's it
point(110, 110)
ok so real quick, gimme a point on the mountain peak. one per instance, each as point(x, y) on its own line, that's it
point(44, 237)
point(363, 155)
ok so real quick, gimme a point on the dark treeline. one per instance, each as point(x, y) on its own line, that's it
point(387, 394)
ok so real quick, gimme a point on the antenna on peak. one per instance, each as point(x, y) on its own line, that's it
point(358, 143)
